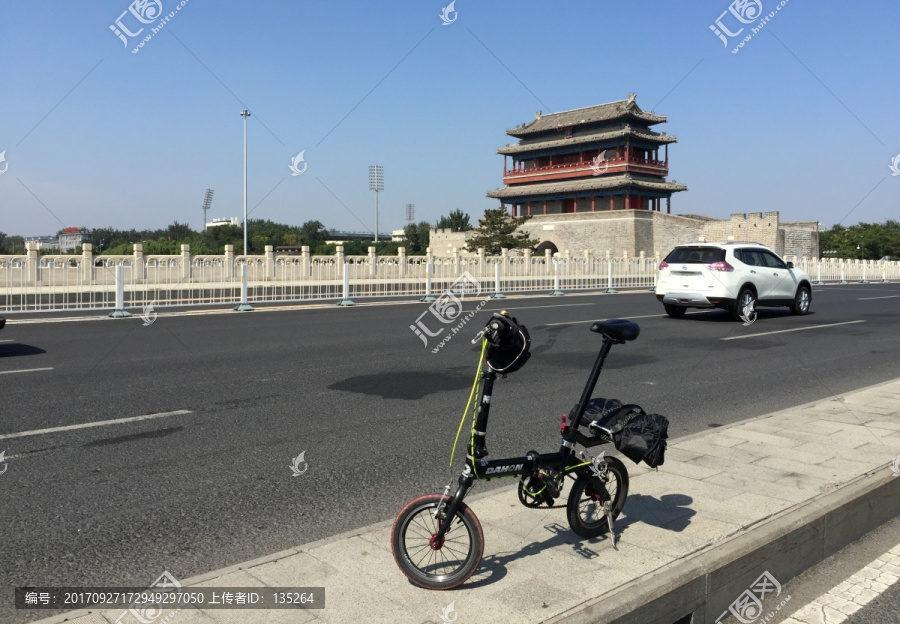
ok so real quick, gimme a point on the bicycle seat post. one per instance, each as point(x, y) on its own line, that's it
point(568, 441)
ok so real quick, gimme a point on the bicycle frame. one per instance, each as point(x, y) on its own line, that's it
point(563, 460)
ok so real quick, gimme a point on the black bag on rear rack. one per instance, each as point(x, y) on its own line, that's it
point(643, 438)
point(637, 435)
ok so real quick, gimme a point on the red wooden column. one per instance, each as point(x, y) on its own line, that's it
point(627, 201)
point(611, 204)
point(668, 205)
point(667, 154)
point(515, 210)
point(529, 207)
point(545, 206)
point(592, 203)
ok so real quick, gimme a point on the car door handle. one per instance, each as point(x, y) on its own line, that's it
point(754, 272)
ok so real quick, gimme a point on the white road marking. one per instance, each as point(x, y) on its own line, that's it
point(596, 320)
point(871, 298)
point(26, 370)
point(102, 423)
point(848, 597)
point(626, 317)
point(66, 319)
point(784, 331)
point(561, 305)
point(10, 340)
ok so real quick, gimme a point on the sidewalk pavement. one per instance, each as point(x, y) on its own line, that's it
point(722, 497)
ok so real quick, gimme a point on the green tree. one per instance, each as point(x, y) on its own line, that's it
point(13, 245)
point(178, 231)
point(258, 243)
point(417, 236)
point(313, 233)
point(497, 230)
point(871, 241)
point(456, 221)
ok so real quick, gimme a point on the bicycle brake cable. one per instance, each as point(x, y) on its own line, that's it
point(471, 395)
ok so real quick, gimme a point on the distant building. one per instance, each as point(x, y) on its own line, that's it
point(594, 180)
point(44, 242)
point(398, 235)
point(72, 238)
point(594, 159)
point(223, 221)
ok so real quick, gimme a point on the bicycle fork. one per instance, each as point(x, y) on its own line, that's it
point(449, 505)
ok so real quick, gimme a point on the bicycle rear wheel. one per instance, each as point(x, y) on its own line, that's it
point(430, 563)
point(584, 508)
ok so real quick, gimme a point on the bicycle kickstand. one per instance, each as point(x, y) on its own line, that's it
point(607, 510)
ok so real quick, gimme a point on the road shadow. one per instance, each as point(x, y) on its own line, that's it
point(493, 567)
point(15, 349)
point(584, 360)
point(411, 385)
point(160, 433)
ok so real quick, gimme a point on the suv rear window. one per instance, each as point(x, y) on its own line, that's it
point(695, 255)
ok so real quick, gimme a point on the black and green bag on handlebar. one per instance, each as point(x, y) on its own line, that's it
point(508, 344)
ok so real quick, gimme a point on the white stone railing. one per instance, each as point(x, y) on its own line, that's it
point(33, 282)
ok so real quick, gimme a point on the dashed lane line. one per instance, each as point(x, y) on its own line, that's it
point(25, 370)
point(101, 423)
point(795, 329)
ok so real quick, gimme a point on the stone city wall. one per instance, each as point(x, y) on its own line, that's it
point(628, 233)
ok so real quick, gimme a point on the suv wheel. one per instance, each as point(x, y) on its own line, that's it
point(674, 311)
point(801, 301)
point(745, 299)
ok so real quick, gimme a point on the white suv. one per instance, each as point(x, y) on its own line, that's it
point(733, 276)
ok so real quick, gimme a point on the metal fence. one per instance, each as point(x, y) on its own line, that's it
point(50, 283)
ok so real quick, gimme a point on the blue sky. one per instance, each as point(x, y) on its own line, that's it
point(803, 120)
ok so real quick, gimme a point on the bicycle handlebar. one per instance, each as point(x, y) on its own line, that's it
point(495, 329)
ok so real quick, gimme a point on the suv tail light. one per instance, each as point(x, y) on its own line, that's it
point(663, 265)
point(720, 266)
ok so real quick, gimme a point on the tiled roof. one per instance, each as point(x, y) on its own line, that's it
point(578, 116)
point(647, 135)
point(599, 183)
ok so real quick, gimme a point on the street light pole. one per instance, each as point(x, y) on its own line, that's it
point(245, 114)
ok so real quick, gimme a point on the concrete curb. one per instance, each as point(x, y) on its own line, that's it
point(786, 544)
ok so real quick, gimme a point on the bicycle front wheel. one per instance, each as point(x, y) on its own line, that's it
point(427, 561)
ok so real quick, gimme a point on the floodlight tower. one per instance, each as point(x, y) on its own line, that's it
point(245, 113)
point(410, 213)
point(376, 183)
point(207, 203)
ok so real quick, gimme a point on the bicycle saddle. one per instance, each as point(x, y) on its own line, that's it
point(619, 330)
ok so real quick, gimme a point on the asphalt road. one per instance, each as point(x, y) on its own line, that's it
point(374, 411)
